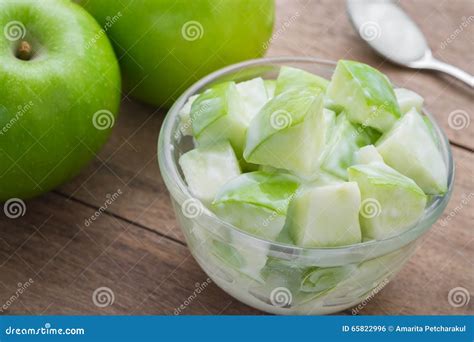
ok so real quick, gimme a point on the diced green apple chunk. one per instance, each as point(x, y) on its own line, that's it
point(218, 114)
point(410, 149)
point(367, 154)
point(270, 86)
point(325, 216)
point(288, 133)
point(408, 99)
point(291, 78)
point(391, 202)
point(207, 168)
point(344, 141)
point(365, 93)
point(253, 94)
point(256, 202)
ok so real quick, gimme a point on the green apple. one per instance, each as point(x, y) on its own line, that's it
point(207, 168)
point(411, 149)
point(164, 46)
point(256, 202)
point(59, 97)
point(293, 78)
point(366, 95)
point(289, 132)
point(315, 219)
point(391, 202)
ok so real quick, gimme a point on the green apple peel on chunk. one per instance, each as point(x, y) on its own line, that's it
point(207, 168)
point(365, 93)
point(410, 149)
point(218, 114)
point(256, 202)
point(391, 202)
point(408, 99)
point(367, 154)
point(292, 78)
point(344, 140)
point(288, 133)
point(323, 279)
point(325, 216)
point(253, 94)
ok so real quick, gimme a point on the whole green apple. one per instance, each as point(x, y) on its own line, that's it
point(60, 92)
point(166, 45)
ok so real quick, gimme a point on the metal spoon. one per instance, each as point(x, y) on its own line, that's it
point(392, 33)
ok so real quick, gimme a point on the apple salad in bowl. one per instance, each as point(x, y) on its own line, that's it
point(302, 185)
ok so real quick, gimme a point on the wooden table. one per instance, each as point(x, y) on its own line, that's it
point(135, 247)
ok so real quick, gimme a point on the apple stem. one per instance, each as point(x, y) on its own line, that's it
point(24, 51)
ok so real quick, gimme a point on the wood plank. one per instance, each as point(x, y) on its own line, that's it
point(68, 261)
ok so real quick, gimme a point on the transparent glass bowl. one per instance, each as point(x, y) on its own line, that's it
point(276, 277)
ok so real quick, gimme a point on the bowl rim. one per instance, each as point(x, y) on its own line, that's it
point(180, 193)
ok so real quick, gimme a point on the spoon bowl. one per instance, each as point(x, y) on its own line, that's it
point(394, 35)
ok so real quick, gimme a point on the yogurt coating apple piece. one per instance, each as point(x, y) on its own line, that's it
point(291, 78)
point(270, 86)
point(391, 202)
point(207, 168)
point(345, 139)
point(408, 99)
point(256, 202)
point(325, 216)
point(365, 93)
point(253, 94)
point(185, 125)
point(289, 132)
point(218, 114)
point(367, 154)
point(410, 149)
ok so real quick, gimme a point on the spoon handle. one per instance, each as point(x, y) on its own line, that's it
point(435, 64)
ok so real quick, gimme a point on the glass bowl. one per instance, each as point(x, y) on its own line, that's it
point(276, 277)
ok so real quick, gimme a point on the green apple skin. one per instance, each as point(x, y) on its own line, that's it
point(48, 102)
point(158, 63)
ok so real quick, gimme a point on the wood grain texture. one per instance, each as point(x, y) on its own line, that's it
point(136, 248)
